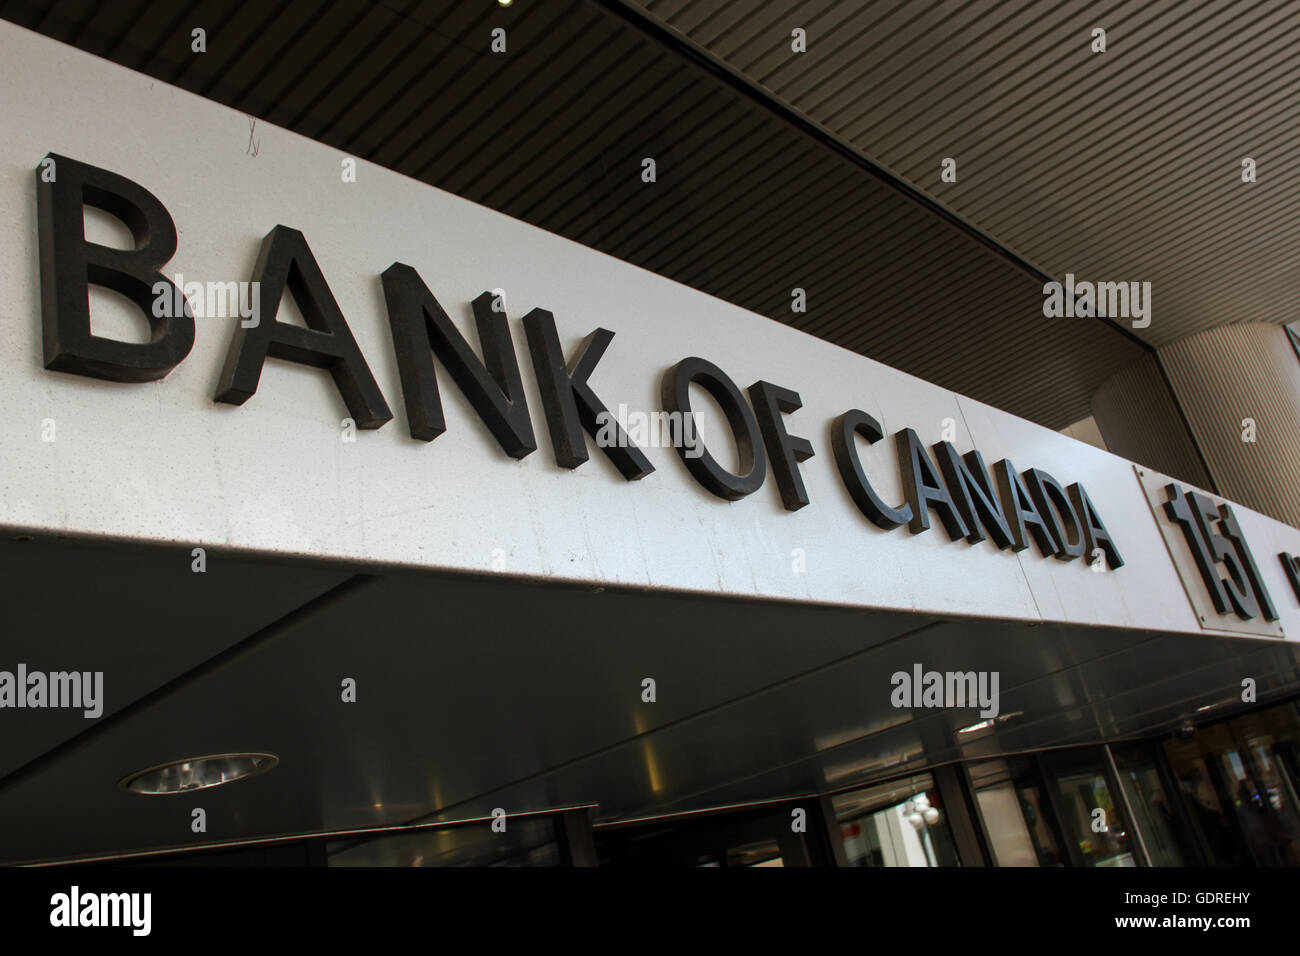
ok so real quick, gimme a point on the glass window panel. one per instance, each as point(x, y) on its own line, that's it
point(1207, 808)
point(1088, 812)
point(1238, 783)
point(1265, 797)
point(1102, 837)
point(902, 823)
point(1163, 833)
point(1015, 814)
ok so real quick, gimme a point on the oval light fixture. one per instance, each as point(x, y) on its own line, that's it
point(197, 773)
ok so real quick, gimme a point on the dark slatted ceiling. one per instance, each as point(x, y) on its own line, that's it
point(747, 206)
point(1122, 165)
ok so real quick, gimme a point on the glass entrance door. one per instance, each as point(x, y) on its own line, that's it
point(1239, 783)
point(901, 823)
point(1098, 834)
point(1164, 825)
point(1017, 817)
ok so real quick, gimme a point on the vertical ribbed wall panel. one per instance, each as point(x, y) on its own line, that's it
point(1235, 372)
point(1139, 419)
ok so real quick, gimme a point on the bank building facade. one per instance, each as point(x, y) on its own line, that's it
point(645, 433)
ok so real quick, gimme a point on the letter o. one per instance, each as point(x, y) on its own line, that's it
point(740, 419)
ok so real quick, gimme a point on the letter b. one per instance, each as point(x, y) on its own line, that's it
point(70, 265)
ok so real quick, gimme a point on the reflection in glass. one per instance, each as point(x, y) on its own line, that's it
point(526, 842)
point(1157, 821)
point(1215, 830)
point(1238, 781)
point(1015, 815)
point(1090, 815)
point(902, 823)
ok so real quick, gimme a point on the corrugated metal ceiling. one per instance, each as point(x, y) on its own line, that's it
point(1120, 166)
point(747, 205)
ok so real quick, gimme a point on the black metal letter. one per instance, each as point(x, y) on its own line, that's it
point(70, 265)
point(569, 401)
point(1022, 513)
point(971, 488)
point(1235, 585)
point(925, 488)
point(843, 431)
point(1052, 500)
point(286, 260)
point(1095, 534)
point(419, 323)
point(1232, 531)
point(1179, 510)
point(785, 450)
point(676, 397)
point(1291, 565)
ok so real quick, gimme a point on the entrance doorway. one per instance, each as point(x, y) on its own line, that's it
point(1238, 781)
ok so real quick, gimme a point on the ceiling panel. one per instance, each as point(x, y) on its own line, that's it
point(476, 693)
point(142, 618)
point(1115, 166)
point(746, 206)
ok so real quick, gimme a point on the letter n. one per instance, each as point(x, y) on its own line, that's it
point(286, 261)
point(420, 324)
point(1022, 514)
point(70, 265)
point(968, 482)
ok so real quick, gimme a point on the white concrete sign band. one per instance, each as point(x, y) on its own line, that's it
point(162, 462)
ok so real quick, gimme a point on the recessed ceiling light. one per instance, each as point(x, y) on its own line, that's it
point(197, 773)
